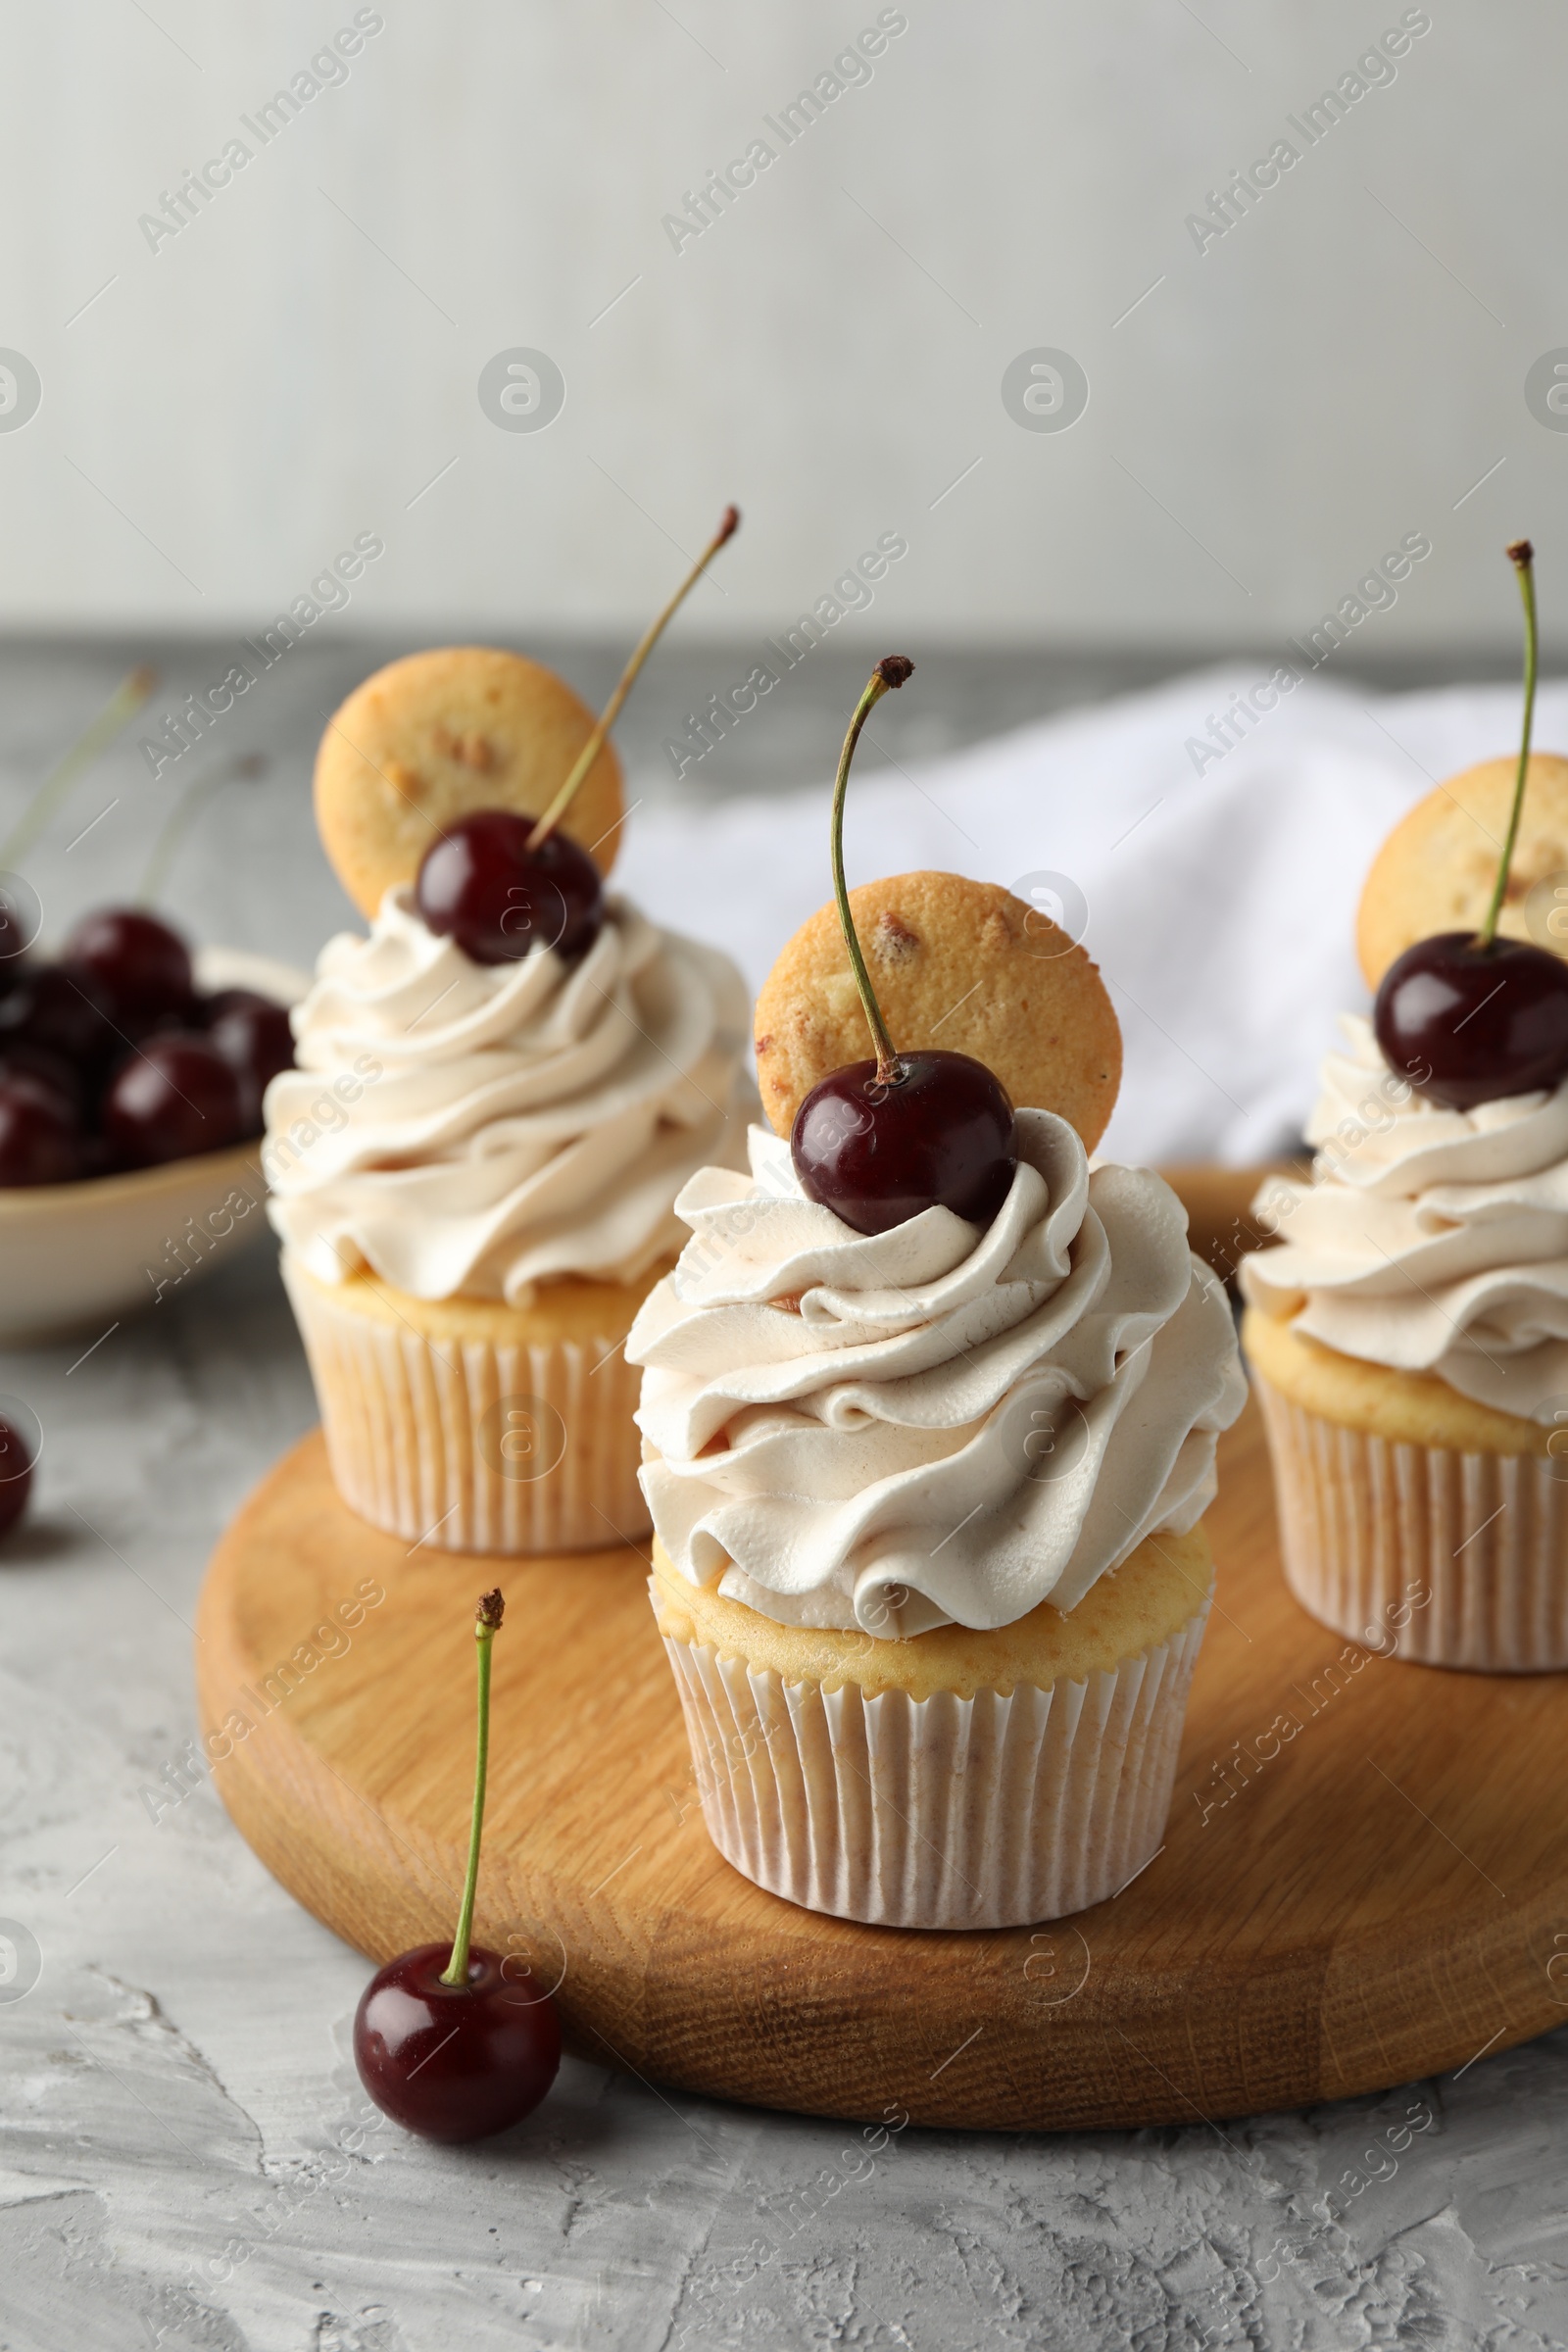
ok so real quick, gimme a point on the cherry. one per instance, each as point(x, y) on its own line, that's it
point(52, 1070)
point(173, 1097)
point(445, 2044)
point(501, 884)
point(253, 1035)
point(453, 2062)
point(15, 1476)
point(13, 946)
point(482, 885)
point(1465, 1017)
point(1468, 1022)
point(142, 966)
point(879, 1141)
point(66, 1012)
point(879, 1152)
point(40, 1141)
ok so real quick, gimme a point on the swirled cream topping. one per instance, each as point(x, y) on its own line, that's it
point(478, 1129)
point(1428, 1240)
point(938, 1424)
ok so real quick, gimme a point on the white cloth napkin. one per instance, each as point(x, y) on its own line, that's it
point(1220, 905)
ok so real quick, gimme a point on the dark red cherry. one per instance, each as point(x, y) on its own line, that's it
point(40, 1141)
point(481, 885)
point(876, 1156)
point(15, 1476)
point(66, 1012)
point(1467, 1023)
point(173, 1097)
point(453, 2062)
point(12, 949)
point(212, 1008)
point(253, 1035)
point(47, 1070)
point(142, 966)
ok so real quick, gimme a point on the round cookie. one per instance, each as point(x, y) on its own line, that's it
point(437, 735)
point(956, 963)
point(1439, 866)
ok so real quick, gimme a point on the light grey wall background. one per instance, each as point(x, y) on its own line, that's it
point(224, 407)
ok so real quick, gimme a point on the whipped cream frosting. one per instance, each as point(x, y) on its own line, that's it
point(1428, 1240)
point(938, 1424)
point(478, 1129)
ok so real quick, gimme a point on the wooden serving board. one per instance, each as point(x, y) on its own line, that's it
point(1365, 1878)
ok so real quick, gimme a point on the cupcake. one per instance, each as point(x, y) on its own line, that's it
point(1409, 1332)
point(929, 1430)
point(473, 1170)
point(499, 1094)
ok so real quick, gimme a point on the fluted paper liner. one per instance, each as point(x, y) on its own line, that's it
point(943, 1812)
point(404, 1417)
point(1421, 1551)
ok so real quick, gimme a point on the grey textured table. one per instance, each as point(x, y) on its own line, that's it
point(185, 2156)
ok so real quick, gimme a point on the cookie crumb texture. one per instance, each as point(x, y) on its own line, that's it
point(432, 738)
point(1439, 866)
point(955, 963)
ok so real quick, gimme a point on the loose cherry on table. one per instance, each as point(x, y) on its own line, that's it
point(880, 1142)
point(502, 885)
point(446, 2044)
point(1468, 1018)
point(453, 2062)
point(16, 1477)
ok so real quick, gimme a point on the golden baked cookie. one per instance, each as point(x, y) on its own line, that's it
point(1439, 866)
point(437, 735)
point(955, 963)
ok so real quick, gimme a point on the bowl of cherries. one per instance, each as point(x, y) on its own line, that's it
point(131, 1076)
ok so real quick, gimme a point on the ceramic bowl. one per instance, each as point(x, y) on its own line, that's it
point(76, 1259)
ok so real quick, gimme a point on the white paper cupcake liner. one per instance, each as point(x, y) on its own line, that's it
point(1420, 1551)
point(941, 1812)
point(471, 1447)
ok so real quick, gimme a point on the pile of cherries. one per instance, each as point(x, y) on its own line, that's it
point(110, 1059)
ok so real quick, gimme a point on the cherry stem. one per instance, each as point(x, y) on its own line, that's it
point(888, 672)
point(486, 1623)
point(123, 704)
point(183, 815)
point(1523, 556)
point(729, 524)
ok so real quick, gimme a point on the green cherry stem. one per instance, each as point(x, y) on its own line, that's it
point(1522, 556)
point(729, 524)
point(183, 815)
point(485, 1628)
point(892, 672)
point(123, 704)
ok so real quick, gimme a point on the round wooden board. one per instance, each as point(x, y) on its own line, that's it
point(1376, 1894)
